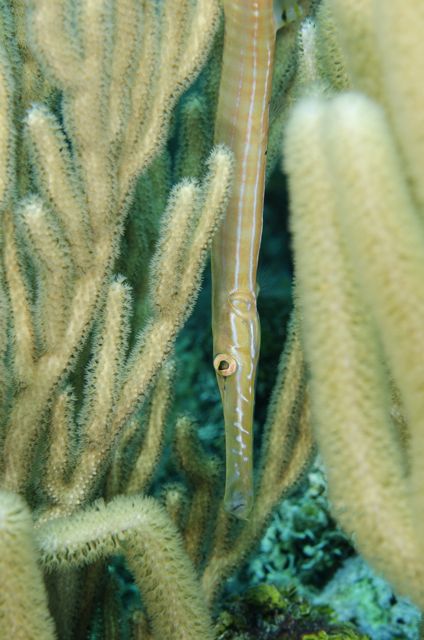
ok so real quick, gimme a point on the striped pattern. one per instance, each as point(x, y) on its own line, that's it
point(242, 124)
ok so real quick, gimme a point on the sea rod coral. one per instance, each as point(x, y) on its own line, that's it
point(101, 263)
point(355, 164)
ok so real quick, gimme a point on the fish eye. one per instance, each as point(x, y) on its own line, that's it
point(224, 364)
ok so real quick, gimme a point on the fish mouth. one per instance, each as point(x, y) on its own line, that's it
point(237, 400)
point(239, 504)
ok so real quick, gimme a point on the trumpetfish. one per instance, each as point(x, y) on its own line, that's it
point(242, 124)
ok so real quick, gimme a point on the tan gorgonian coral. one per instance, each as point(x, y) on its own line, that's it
point(355, 165)
point(87, 93)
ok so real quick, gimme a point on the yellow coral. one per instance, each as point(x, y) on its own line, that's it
point(355, 175)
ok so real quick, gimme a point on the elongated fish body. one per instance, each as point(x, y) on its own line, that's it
point(242, 124)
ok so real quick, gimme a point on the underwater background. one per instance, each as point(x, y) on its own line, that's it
point(112, 431)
